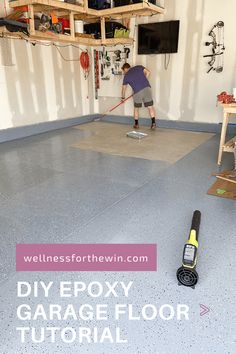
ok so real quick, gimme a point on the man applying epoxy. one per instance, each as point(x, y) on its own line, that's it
point(137, 78)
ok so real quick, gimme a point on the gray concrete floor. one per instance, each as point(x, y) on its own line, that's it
point(53, 193)
point(167, 145)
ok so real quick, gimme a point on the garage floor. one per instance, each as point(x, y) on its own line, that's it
point(168, 145)
point(52, 192)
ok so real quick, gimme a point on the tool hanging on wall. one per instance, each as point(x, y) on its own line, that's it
point(113, 108)
point(111, 61)
point(96, 72)
point(85, 63)
point(127, 51)
point(216, 62)
point(187, 274)
point(118, 55)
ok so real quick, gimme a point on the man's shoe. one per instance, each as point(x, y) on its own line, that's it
point(153, 126)
point(136, 126)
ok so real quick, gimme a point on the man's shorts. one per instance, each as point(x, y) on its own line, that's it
point(143, 96)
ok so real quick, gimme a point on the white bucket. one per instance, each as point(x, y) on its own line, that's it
point(79, 26)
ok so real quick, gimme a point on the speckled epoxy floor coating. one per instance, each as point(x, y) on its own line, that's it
point(51, 192)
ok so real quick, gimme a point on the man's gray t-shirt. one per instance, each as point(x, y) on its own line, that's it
point(136, 79)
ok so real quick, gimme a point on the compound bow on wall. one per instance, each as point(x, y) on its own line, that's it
point(216, 62)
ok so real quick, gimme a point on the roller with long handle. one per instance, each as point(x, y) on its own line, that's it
point(113, 108)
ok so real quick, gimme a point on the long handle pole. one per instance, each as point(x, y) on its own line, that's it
point(196, 222)
point(112, 109)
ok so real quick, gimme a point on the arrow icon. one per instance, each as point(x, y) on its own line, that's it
point(204, 310)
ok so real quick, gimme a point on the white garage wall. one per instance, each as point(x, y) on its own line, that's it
point(37, 85)
point(185, 91)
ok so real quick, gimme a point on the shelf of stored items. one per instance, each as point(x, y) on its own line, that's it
point(60, 9)
point(53, 37)
point(56, 4)
point(229, 146)
point(82, 12)
point(140, 9)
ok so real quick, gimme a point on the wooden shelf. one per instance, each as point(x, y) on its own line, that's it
point(228, 109)
point(53, 37)
point(50, 36)
point(4, 33)
point(80, 40)
point(229, 146)
point(55, 4)
point(82, 12)
point(231, 107)
point(116, 41)
point(140, 9)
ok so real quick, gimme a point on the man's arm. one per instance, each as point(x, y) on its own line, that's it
point(146, 72)
point(123, 91)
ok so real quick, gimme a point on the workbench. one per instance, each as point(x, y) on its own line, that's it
point(228, 109)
